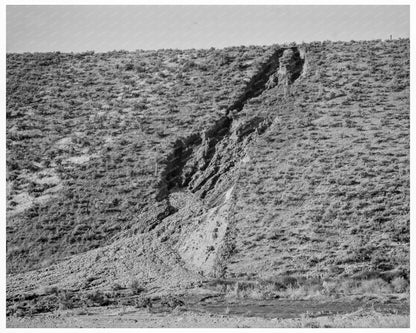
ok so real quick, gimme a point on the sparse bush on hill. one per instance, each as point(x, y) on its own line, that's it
point(126, 122)
point(136, 287)
point(318, 178)
point(400, 285)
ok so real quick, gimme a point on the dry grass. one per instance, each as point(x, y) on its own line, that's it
point(316, 289)
point(359, 319)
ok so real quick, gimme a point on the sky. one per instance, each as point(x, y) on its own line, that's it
point(103, 28)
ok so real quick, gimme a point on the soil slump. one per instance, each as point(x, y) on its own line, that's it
point(207, 166)
point(198, 162)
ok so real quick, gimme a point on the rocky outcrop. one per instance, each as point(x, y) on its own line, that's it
point(290, 68)
point(206, 163)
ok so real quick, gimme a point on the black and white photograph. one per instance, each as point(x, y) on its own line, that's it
point(206, 165)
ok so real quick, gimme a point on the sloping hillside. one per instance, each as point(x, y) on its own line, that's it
point(85, 133)
point(326, 189)
point(175, 167)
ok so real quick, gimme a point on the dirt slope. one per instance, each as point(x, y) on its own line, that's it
point(302, 170)
point(85, 133)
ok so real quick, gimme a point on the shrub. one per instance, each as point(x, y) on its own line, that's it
point(129, 67)
point(143, 302)
point(257, 290)
point(66, 300)
point(330, 287)
point(400, 284)
point(306, 291)
point(116, 287)
point(210, 248)
point(135, 287)
point(97, 298)
point(375, 286)
point(49, 290)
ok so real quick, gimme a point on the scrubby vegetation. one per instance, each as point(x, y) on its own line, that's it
point(85, 133)
point(326, 192)
point(52, 299)
point(128, 171)
point(359, 319)
point(302, 288)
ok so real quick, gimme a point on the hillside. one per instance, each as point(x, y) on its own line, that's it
point(173, 168)
point(85, 133)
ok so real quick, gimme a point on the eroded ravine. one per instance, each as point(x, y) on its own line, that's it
point(197, 162)
point(206, 165)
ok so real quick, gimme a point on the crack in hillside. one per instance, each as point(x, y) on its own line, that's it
point(197, 163)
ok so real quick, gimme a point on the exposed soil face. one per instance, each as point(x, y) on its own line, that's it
point(208, 165)
point(186, 166)
point(100, 122)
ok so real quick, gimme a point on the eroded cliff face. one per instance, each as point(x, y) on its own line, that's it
point(291, 65)
point(200, 161)
point(207, 165)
